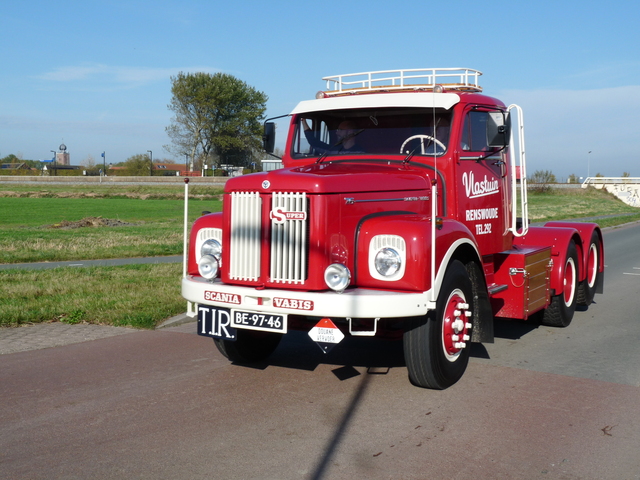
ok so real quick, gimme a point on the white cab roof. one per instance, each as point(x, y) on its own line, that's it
point(379, 100)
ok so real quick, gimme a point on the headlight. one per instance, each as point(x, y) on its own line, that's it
point(211, 247)
point(387, 257)
point(388, 262)
point(208, 267)
point(337, 277)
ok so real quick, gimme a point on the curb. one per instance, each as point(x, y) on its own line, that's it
point(175, 321)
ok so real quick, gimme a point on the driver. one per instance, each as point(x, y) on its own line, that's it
point(346, 134)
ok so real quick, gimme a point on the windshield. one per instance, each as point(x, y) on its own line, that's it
point(372, 132)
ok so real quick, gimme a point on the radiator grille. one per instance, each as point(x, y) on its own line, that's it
point(246, 227)
point(289, 246)
point(289, 238)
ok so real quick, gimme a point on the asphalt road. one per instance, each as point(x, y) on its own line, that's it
point(538, 403)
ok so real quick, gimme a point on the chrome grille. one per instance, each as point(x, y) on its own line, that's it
point(246, 227)
point(289, 220)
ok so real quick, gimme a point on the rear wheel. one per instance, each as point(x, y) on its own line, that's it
point(436, 346)
point(250, 346)
point(587, 288)
point(560, 311)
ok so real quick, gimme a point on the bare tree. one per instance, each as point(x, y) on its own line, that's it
point(89, 162)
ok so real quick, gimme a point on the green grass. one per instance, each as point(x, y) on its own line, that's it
point(99, 190)
point(562, 204)
point(27, 232)
point(140, 296)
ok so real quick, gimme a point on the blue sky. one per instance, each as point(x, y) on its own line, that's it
point(96, 75)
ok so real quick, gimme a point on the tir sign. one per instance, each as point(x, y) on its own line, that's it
point(280, 215)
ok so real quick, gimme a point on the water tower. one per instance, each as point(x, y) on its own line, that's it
point(62, 157)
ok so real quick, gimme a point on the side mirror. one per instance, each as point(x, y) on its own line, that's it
point(497, 129)
point(269, 137)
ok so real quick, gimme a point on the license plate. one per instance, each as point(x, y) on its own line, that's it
point(266, 322)
point(220, 322)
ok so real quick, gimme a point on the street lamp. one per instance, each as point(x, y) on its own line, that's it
point(151, 160)
point(588, 164)
point(104, 164)
point(55, 167)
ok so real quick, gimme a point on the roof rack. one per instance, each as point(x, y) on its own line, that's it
point(464, 79)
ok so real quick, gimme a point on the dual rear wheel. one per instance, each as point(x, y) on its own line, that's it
point(560, 311)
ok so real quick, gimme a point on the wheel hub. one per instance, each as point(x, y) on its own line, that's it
point(456, 326)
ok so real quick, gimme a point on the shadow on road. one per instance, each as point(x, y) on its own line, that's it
point(298, 351)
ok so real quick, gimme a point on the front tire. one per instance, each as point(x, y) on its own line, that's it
point(250, 346)
point(436, 346)
point(560, 311)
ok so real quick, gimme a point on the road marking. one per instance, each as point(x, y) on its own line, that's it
point(629, 273)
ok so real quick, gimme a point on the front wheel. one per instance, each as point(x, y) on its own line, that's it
point(250, 346)
point(436, 346)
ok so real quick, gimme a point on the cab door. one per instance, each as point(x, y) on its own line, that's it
point(483, 193)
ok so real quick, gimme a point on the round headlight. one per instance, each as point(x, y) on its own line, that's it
point(388, 262)
point(211, 247)
point(208, 267)
point(337, 277)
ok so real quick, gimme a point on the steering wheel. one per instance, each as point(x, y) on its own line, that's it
point(422, 146)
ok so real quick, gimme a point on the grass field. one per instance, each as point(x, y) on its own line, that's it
point(578, 203)
point(31, 228)
point(134, 295)
point(148, 221)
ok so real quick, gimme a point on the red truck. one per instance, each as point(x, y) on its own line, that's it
point(397, 213)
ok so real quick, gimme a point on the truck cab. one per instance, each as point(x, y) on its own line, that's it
point(398, 213)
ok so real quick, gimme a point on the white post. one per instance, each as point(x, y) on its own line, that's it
point(186, 227)
point(434, 216)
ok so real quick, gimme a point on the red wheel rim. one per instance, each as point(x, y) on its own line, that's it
point(592, 265)
point(569, 281)
point(456, 325)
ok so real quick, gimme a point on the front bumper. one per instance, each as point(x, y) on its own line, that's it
point(354, 303)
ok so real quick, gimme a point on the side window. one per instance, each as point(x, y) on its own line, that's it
point(318, 132)
point(474, 132)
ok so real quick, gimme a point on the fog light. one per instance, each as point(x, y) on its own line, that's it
point(337, 277)
point(208, 267)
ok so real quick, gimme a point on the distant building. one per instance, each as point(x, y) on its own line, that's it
point(269, 165)
point(167, 169)
point(62, 157)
